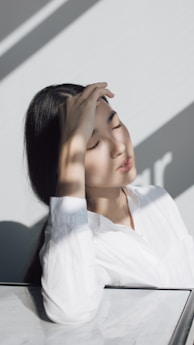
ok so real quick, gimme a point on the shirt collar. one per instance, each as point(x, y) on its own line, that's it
point(133, 197)
point(95, 219)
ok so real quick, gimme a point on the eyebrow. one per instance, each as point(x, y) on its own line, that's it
point(112, 114)
point(109, 119)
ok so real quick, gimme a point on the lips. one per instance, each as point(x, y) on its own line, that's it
point(126, 165)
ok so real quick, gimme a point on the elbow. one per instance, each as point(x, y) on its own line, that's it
point(71, 315)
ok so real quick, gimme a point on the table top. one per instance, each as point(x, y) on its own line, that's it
point(125, 317)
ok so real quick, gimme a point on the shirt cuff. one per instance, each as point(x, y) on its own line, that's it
point(67, 210)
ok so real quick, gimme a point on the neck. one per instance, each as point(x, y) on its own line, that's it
point(111, 203)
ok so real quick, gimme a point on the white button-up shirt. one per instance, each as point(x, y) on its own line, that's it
point(84, 252)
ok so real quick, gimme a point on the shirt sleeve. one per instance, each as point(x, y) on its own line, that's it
point(71, 283)
point(174, 215)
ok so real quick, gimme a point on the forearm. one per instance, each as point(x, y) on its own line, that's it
point(71, 287)
point(71, 172)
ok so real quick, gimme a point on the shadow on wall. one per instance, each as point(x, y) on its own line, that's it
point(17, 247)
point(166, 158)
point(44, 32)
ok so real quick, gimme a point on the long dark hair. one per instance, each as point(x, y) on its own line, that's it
point(42, 134)
point(41, 139)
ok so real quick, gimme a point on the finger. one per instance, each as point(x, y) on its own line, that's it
point(98, 93)
point(89, 88)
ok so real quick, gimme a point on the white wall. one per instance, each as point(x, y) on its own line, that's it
point(143, 49)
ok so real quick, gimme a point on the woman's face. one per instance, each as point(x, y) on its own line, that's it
point(110, 160)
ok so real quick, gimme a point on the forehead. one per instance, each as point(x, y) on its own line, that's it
point(103, 111)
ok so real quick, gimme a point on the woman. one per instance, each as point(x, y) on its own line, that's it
point(101, 230)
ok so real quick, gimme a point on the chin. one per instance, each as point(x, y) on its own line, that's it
point(131, 177)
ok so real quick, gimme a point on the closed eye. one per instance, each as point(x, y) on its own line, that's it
point(118, 126)
point(94, 146)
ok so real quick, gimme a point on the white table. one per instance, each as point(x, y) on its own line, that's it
point(125, 317)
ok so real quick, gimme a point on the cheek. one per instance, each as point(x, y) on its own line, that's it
point(96, 168)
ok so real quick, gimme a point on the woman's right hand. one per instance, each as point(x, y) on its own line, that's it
point(79, 113)
point(76, 124)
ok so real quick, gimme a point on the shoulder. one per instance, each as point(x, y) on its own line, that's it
point(150, 194)
point(149, 191)
point(158, 202)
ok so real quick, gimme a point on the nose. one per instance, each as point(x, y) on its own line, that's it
point(117, 148)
